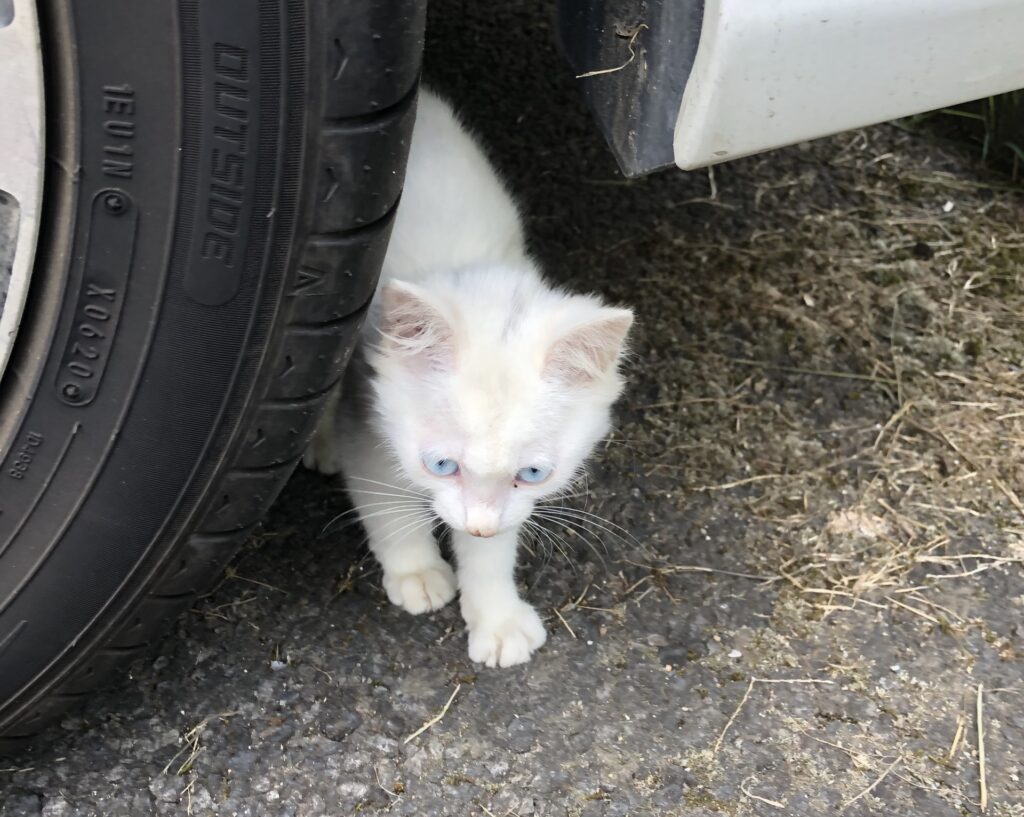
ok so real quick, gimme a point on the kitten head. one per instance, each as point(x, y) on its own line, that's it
point(491, 389)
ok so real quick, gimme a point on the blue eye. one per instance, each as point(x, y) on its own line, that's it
point(440, 467)
point(533, 473)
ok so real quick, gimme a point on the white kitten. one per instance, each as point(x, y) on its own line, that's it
point(487, 389)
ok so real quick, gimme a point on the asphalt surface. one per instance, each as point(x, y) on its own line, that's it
point(742, 636)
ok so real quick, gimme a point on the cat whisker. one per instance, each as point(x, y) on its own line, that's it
point(592, 521)
point(586, 488)
point(533, 532)
point(608, 441)
point(552, 541)
point(378, 536)
point(392, 511)
point(609, 527)
point(558, 500)
point(577, 487)
point(576, 527)
point(407, 488)
point(365, 505)
point(394, 507)
point(367, 492)
point(588, 536)
point(330, 523)
point(409, 528)
point(580, 480)
point(534, 544)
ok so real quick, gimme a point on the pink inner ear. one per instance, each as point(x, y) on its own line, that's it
point(590, 351)
point(411, 325)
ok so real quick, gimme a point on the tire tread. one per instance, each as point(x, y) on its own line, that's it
point(317, 328)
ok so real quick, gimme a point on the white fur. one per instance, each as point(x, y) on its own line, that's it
point(473, 358)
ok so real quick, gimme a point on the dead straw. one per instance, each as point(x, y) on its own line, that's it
point(437, 718)
point(871, 788)
point(982, 772)
point(746, 695)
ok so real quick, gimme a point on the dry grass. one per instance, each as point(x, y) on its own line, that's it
point(846, 377)
point(894, 298)
point(437, 718)
point(192, 740)
point(746, 696)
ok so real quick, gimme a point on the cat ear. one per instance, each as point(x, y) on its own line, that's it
point(411, 326)
point(590, 350)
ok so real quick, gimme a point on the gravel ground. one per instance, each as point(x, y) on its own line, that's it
point(806, 594)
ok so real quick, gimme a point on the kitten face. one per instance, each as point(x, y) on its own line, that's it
point(489, 445)
point(492, 390)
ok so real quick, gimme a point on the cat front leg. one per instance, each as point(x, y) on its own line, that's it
point(323, 453)
point(503, 629)
point(399, 523)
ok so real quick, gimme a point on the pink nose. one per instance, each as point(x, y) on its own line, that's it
point(481, 521)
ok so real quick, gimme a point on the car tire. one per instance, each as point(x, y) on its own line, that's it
point(220, 184)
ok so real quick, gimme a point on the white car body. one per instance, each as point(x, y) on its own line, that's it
point(770, 73)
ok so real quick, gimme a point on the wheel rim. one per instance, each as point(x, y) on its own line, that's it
point(22, 146)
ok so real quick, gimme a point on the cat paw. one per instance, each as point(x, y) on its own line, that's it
point(317, 461)
point(421, 591)
point(322, 457)
point(507, 640)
